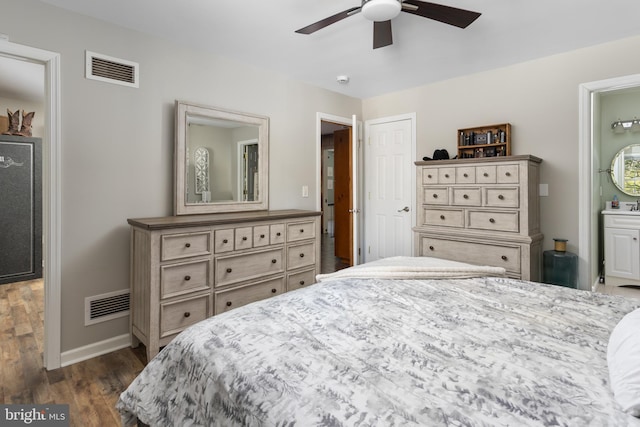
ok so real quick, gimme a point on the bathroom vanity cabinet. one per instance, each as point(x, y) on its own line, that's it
point(622, 248)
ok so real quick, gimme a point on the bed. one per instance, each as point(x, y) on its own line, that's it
point(398, 342)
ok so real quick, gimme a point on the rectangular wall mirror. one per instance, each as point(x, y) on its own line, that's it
point(221, 160)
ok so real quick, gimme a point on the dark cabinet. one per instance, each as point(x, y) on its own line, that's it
point(20, 208)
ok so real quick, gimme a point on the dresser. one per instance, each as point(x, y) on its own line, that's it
point(187, 268)
point(482, 211)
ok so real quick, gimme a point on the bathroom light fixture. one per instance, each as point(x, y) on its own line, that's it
point(619, 126)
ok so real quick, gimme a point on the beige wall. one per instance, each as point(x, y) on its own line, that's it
point(117, 142)
point(539, 98)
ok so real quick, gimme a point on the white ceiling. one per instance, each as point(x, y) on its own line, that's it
point(261, 32)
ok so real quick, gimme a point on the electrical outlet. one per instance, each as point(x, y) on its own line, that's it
point(305, 191)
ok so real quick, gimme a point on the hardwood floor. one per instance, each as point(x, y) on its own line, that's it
point(329, 262)
point(90, 388)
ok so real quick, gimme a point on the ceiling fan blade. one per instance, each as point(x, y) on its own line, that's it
point(382, 34)
point(449, 15)
point(327, 21)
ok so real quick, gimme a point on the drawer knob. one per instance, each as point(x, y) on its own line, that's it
point(501, 197)
point(273, 291)
point(187, 245)
point(187, 277)
point(491, 220)
point(504, 257)
point(229, 270)
point(301, 282)
point(228, 303)
point(431, 248)
point(262, 236)
point(429, 176)
point(507, 173)
point(187, 314)
point(486, 175)
point(225, 241)
point(302, 230)
point(435, 196)
point(273, 261)
point(278, 234)
point(446, 175)
point(465, 175)
point(301, 255)
point(442, 217)
point(466, 196)
point(244, 237)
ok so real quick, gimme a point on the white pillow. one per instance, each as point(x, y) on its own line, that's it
point(623, 358)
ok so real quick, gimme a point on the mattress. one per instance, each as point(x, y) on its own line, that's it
point(383, 351)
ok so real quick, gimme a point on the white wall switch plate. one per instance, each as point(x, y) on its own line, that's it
point(544, 190)
point(305, 191)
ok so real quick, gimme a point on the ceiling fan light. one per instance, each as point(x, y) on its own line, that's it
point(381, 10)
point(635, 126)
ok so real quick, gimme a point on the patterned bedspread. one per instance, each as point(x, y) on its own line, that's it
point(374, 352)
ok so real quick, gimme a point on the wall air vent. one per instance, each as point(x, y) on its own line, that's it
point(100, 308)
point(111, 70)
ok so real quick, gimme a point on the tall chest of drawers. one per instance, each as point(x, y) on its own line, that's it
point(187, 268)
point(482, 211)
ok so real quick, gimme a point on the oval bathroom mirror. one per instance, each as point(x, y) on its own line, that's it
point(625, 170)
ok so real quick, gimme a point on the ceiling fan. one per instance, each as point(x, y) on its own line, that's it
point(382, 11)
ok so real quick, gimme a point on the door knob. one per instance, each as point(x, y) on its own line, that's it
point(405, 209)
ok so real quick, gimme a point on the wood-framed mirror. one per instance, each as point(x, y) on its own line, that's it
point(221, 160)
point(625, 170)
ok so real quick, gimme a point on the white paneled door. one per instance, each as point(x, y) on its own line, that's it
point(389, 171)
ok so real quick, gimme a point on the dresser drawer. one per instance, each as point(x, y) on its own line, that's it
point(298, 280)
point(486, 174)
point(496, 221)
point(237, 268)
point(507, 174)
point(260, 236)
point(223, 240)
point(436, 195)
point(466, 196)
point(185, 245)
point(502, 197)
point(447, 218)
point(178, 315)
point(237, 297)
point(446, 175)
point(276, 232)
point(177, 279)
point(301, 231)
point(429, 176)
point(243, 238)
point(473, 253)
point(466, 175)
point(301, 255)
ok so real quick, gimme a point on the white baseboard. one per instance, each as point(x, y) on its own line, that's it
point(94, 350)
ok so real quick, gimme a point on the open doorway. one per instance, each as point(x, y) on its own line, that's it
point(335, 178)
point(51, 212)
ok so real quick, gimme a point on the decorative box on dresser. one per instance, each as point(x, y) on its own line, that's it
point(482, 211)
point(187, 268)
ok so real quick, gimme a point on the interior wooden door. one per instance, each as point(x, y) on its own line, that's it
point(343, 195)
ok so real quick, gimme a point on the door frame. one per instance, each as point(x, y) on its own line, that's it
point(588, 200)
point(367, 125)
point(347, 121)
point(51, 197)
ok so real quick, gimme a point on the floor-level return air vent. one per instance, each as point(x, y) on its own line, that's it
point(100, 308)
point(111, 70)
